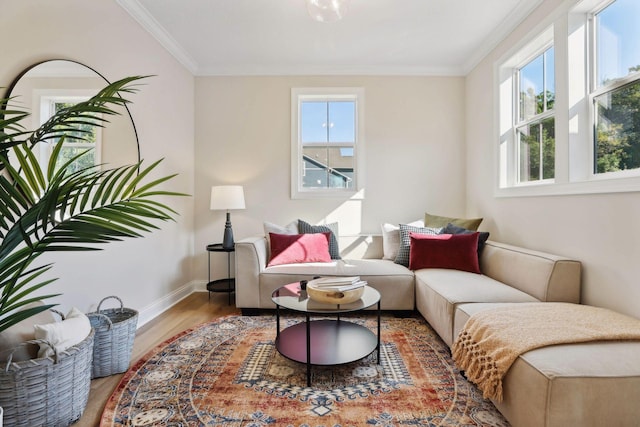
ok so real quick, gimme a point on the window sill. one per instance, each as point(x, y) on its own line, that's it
point(596, 186)
point(328, 194)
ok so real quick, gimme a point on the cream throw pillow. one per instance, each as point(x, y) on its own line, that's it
point(269, 227)
point(62, 335)
point(391, 239)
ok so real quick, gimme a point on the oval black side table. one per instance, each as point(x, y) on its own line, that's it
point(221, 285)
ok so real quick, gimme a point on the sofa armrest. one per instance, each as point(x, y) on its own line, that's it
point(544, 276)
point(251, 260)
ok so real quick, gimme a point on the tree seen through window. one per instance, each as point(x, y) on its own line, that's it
point(536, 127)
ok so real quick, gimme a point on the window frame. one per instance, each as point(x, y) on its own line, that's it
point(508, 113)
point(595, 90)
point(571, 24)
point(536, 119)
point(326, 94)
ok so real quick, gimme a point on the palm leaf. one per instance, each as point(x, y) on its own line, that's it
point(85, 112)
point(6, 321)
point(51, 209)
point(11, 129)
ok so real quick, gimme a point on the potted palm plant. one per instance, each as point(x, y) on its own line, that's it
point(46, 208)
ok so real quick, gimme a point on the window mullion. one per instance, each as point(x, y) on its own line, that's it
point(544, 81)
point(326, 120)
point(541, 151)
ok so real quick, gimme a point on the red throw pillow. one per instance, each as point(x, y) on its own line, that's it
point(453, 251)
point(296, 248)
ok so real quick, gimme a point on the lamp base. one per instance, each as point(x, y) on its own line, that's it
point(227, 240)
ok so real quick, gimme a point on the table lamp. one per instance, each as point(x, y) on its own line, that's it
point(227, 197)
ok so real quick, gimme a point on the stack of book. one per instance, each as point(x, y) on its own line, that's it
point(337, 284)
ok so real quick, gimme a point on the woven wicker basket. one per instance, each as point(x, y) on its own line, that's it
point(50, 391)
point(115, 332)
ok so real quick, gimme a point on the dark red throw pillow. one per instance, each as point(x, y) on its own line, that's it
point(298, 248)
point(453, 251)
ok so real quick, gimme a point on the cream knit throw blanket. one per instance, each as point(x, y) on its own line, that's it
point(492, 340)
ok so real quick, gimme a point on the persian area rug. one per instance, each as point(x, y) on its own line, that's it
point(229, 373)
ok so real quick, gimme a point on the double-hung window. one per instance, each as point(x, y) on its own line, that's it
point(615, 86)
point(527, 119)
point(535, 124)
point(580, 131)
point(327, 142)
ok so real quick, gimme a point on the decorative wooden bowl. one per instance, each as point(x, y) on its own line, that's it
point(331, 296)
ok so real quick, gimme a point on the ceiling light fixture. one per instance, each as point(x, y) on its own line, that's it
point(327, 10)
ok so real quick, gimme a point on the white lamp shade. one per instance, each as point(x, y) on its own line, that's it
point(227, 197)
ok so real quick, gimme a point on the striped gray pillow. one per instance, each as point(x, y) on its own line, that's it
point(334, 250)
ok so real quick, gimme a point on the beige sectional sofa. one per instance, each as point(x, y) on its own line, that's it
point(255, 282)
point(588, 385)
point(510, 275)
point(591, 384)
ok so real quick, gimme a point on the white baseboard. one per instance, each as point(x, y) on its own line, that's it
point(156, 308)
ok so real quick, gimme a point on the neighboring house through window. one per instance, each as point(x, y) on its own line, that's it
point(327, 142)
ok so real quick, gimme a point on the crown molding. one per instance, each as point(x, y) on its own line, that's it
point(301, 70)
point(149, 23)
point(508, 24)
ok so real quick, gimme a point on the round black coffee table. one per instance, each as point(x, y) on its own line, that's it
point(324, 341)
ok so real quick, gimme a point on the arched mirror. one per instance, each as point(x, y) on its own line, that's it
point(45, 86)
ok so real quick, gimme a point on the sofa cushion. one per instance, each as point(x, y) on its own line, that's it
point(343, 267)
point(589, 385)
point(405, 242)
point(439, 291)
point(334, 249)
point(566, 383)
point(299, 248)
point(465, 311)
point(361, 246)
point(450, 251)
point(394, 282)
point(442, 221)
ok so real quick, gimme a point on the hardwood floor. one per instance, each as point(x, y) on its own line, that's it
point(191, 311)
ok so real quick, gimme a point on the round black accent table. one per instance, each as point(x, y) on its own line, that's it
point(227, 285)
point(324, 341)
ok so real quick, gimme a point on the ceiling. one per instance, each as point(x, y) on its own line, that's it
point(278, 37)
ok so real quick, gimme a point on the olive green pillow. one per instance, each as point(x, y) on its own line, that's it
point(442, 221)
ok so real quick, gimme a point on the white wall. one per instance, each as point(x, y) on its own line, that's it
point(601, 230)
point(415, 136)
point(414, 154)
point(103, 36)
point(118, 145)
